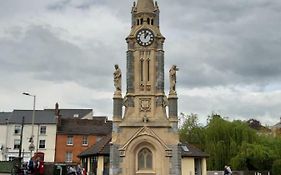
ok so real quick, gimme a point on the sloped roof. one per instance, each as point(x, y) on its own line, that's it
point(41, 117)
point(84, 126)
point(46, 116)
point(145, 6)
point(70, 113)
point(188, 150)
point(102, 147)
point(4, 116)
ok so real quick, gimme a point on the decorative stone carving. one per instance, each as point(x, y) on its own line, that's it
point(145, 131)
point(117, 78)
point(145, 104)
point(172, 76)
point(148, 87)
point(145, 119)
point(168, 153)
point(141, 87)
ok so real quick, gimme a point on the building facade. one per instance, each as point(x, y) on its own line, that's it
point(77, 135)
point(20, 121)
point(12, 124)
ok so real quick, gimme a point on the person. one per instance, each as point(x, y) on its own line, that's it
point(30, 166)
point(36, 166)
point(84, 171)
point(229, 170)
point(172, 75)
point(225, 172)
point(41, 167)
point(117, 77)
point(71, 171)
point(79, 169)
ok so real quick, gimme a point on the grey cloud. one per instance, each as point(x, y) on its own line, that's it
point(49, 58)
point(225, 43)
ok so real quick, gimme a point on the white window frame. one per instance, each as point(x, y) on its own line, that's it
point(42, 143)
point(43, 130)
point(68, 156)
point(69, 140)
point(18, 145)
point(17, 129)
point(85, 140)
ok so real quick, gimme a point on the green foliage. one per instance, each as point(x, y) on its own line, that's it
point(231, 143)
point(276, 167)
point(192, 131)
point(253, 157)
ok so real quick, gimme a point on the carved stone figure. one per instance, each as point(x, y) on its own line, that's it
point(173, 81)
point(117, 78)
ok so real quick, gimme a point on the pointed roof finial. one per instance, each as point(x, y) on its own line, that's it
point(145, 6)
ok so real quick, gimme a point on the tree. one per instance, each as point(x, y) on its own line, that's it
point(232, 143)
point(253, 157)
point(191, 131)
point(276, 167)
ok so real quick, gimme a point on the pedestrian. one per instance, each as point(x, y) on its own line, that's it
point(229, 170)
point(41, 167)
point(71, 171)
point(79, 169)
point(225, 172)
point(84, 171)
point(30, 166)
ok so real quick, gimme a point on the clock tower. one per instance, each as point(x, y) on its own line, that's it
point(145, 137)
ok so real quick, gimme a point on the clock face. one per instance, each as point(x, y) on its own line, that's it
point(145, 37)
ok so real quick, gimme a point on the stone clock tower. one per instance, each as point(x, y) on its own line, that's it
point(145, 138)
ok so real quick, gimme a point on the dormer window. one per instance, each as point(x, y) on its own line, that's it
point(76, 115)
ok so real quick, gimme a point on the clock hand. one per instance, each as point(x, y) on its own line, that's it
point(146, 35)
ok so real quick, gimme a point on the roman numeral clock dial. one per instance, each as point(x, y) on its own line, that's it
point(145, 37)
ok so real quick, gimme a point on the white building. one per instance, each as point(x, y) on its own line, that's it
point(44, 132)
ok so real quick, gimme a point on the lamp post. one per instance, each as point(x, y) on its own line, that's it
point(31, 146)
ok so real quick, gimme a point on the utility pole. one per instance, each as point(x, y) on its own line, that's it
point(22, 124)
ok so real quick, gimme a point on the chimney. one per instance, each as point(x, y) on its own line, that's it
point(57, 114)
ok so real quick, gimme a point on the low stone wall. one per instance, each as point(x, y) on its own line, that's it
point(240, 173)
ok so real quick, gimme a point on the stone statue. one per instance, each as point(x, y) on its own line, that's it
point(117, 78)
point(173, 81)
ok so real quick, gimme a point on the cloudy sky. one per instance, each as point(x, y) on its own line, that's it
point(228, 52)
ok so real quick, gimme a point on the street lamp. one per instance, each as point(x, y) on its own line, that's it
point(31, 146)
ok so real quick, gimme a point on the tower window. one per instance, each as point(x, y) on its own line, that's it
point(151, 21)
point(148, 61)
point(148, 21)
point(138, 22)
point(141, 70)
point(141, 21)
point(145, 159)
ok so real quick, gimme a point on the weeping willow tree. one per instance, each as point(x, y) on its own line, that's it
point(224, 139)
point(220, 138)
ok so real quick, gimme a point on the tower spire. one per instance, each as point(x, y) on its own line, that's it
point(144, 6)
